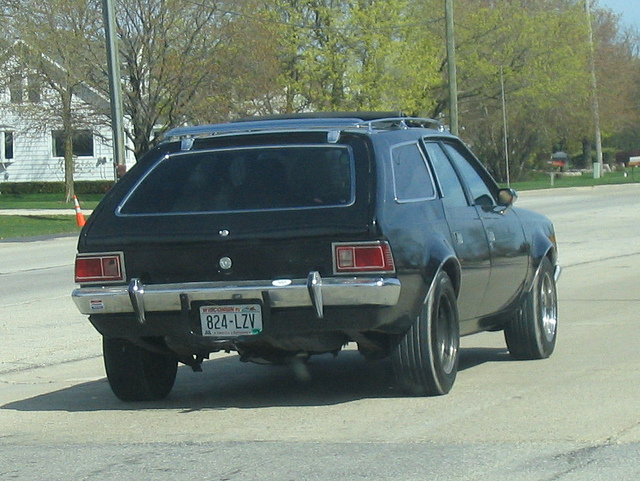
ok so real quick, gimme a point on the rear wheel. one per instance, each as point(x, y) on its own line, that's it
point(136, 374)
point(425, 361)
point(532, 333)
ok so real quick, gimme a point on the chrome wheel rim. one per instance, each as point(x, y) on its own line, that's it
point(446, 338)
point(548, 307)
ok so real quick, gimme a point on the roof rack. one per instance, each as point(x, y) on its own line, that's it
point(361, 114)
point(404, 123)
point(335, 121)
point(247, 126)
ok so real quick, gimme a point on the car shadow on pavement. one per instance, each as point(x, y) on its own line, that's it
point(471, 357)
point(228, 383)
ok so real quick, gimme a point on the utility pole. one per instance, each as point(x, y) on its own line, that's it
point(597, 166)
point(451, 63)
point(505, 125)
point(115, 88)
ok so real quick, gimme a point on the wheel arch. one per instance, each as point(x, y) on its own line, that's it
point(543, 246)
point(442, 258)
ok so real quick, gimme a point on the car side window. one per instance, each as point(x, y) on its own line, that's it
point(480, 191)
point(452, 192)
point(412, 180)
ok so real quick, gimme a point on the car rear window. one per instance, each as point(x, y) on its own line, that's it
point(238, 179)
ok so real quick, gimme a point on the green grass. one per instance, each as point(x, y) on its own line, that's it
point(543, 181)
point(13, 226)
point(46, 201)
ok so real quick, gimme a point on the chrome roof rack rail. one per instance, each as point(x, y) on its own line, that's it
point(404, 123)
point(275, 125)
point(303, 123)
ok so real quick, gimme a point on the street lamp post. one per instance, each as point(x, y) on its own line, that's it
point(505, 126)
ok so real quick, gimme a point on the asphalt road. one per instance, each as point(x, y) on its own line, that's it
point(575, 416)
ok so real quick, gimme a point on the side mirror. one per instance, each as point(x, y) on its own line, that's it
point(507, 197)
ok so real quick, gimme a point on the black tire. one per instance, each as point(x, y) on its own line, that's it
point(136, 374)
point(533, 332)
point(425, 362)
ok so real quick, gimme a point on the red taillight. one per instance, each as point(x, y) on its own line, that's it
point(362, 257)
point(99, 268)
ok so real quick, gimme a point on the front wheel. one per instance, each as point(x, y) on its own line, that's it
point(136, 374)
point(425, 362)
point(532, 333)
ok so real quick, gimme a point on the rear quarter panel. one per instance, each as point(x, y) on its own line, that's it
point(417, 232)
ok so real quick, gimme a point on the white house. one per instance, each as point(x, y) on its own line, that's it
point(30, 152)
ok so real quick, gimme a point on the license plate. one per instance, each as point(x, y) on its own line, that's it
point(231, 320)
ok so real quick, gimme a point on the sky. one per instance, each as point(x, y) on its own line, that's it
point(629, 9)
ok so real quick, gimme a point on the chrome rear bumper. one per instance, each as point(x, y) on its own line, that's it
point(313, 292)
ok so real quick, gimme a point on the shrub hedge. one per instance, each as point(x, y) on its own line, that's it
point(80, 187)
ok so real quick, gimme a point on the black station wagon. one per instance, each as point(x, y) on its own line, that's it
point(280, 238)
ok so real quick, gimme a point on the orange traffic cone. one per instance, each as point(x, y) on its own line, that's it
point(79, 215)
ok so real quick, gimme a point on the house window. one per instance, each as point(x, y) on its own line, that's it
point(16, 89)
point(34, 89)
point(8, 145)
point(82, 143)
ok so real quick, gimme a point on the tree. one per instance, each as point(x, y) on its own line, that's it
point(51, 52)
point(617, 66)
point(539, 50)
point(313, 52)
point(178, 57)
point(395, 62)
point(359, 55)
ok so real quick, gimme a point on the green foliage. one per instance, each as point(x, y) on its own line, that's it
point(541, 57)
point(370, 55)
point(360, 55)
